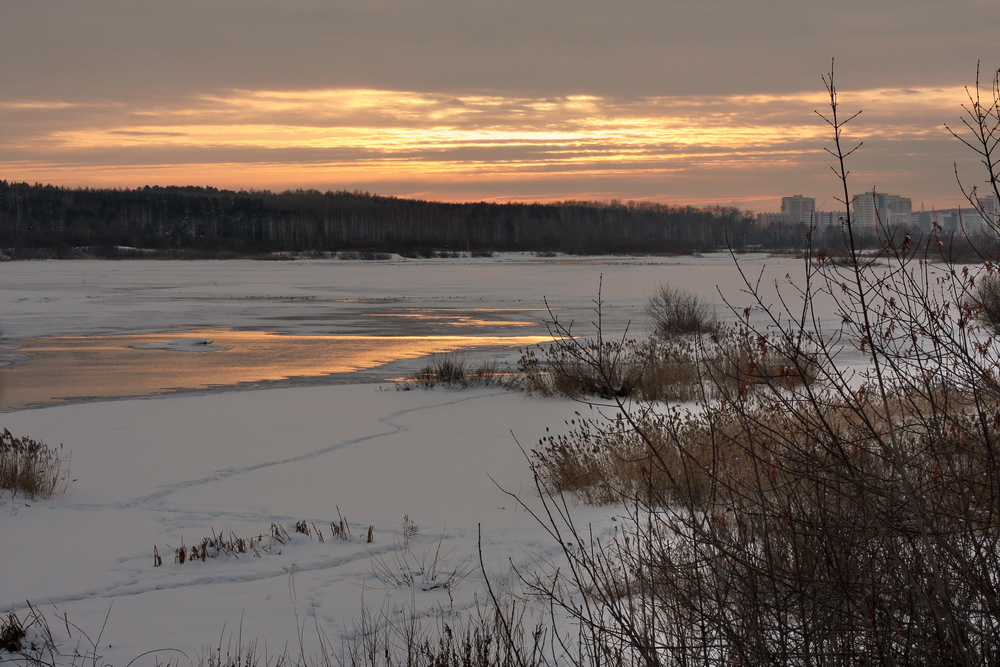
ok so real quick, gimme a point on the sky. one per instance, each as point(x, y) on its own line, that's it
point(700, 102)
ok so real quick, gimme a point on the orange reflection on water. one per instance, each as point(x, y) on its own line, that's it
point(446, 318)
point(76, 367)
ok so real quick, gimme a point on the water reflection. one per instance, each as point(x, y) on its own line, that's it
point(74, 367)
point(448, 318)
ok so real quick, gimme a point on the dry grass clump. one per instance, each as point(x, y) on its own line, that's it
point(674, 312)
point(648, 369)
point(852, 526)
point(718, 453)
point(11, 633)
point(606, 461)
point(221, 545)
point(27, 640)
point(677, 369)
point(32, 468)
point(455, 371)
point(492, 636)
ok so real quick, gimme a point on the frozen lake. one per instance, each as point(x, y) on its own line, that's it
point(84, 329)
point(153, 473)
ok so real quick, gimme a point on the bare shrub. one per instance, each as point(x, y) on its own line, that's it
point(661, 370)
point(32, 468)
point(674, 312)
point(653, 370)
point(986, 301)
point(849, 519)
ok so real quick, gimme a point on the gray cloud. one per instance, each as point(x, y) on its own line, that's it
point(129, 49)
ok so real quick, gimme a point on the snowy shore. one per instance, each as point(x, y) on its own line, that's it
point(162, 471)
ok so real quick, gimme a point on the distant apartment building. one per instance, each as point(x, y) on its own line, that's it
point(826, 219)
point(990, 208)
point(969, 221)
point(798, 209)
point(922, 220)
point(878, 208)
point(765, 220)
point(871, 209)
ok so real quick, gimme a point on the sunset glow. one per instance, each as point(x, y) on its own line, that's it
point(338, 138)
point(709, 102)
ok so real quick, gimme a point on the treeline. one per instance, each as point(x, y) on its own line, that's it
point(209, 220)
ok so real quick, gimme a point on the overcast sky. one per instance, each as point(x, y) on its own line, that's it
point(680, 101)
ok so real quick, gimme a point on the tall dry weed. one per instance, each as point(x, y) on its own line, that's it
point(32, 468)
point(679, 369)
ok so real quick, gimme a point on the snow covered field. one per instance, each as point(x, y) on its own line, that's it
point(173, 469)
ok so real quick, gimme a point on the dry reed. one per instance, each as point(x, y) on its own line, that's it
point(32, 468)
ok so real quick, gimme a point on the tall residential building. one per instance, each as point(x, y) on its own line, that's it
point(872, 208)
point(798, 209)
point(990, 207)
point(827, 219)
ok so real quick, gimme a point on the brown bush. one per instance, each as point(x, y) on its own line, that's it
point(674, 312)
point(849, 515)
point(986, 302)
point(674, 370)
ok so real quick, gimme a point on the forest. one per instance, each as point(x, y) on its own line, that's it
point(47, 220)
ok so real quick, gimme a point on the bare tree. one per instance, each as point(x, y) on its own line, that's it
point(854, 519)
point(980, 133)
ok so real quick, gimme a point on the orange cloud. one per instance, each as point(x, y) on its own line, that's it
point(283, 138)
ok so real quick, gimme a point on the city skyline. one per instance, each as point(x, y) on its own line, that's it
point(708, 103)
